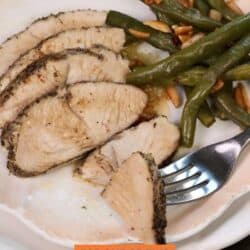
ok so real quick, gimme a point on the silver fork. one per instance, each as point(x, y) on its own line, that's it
point(203, 172)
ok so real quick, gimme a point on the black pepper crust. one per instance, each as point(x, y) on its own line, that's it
point(56, 17)
point(10, 137)
point(39, 46)
point(10, 134)
point(159, 201)
point(159, 223)
point(38, 65)
point(45, 18)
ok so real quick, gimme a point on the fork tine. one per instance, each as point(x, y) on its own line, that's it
point(185, 184)
point(175, 167)
point(196, 192)
point(189, 172)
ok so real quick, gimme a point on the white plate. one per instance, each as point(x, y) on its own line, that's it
point(221, 233)
point(198, 222)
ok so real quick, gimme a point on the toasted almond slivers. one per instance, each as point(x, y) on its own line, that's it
point(192, 40)
point(238, 97)
point(157, 1)
point(245, 97)
point(174, 95)
point(183, 30)
point(215, 15)
point(234, 6)
point(184, 38)
point(217, 86)
point(139, 34)
point(149, 2)
point(187, 3)
point(241, 97)
point(158, 25)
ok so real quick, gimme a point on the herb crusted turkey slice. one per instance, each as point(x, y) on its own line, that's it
point(56, 70)
point(43, 28)
point(136, 193)
point(58, 129)
point(111, 38)
point(157, 137)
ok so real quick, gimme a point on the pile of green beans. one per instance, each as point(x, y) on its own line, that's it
point(188, 78)
point(201, 91)
point(178, 13)
point(222, 54)
point(193, 54)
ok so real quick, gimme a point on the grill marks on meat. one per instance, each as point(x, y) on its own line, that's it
point(157, 137)
point(57, 70)
point(59, 129)
point(136, 193)
point(111, 38)
point(43, 28)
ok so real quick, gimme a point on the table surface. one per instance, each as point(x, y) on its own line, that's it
point(242, 245)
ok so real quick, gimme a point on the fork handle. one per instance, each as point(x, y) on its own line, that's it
point(244, 138)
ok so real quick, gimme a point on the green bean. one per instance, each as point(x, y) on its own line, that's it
point(144, 54)
point(201, 91)
point(162, 17)
point(147, 55)
point(202, 6)
point(141, 52)
point(219, 113)
point(227, 105)
point(130, 39)
point(138, 53)
point(191, 77)
point(191, 55)
point(221, 6)
point(157, 38)
point(241, 72)
point(178, 13)
point(211, 60)
point(205, 114)
point(187, 78)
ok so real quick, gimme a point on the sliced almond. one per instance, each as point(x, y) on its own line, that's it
point(215, 15)
point(187, 3)
point(149, 2)
point(192, 40)
point(174, 95)
point(184, 38)
point(183, 30)
point(158, 25)
point(234, 6)
point(174, 26)
point(238, 97)
point(217, 86)
point(241, 97)
point(246, 101)
point(245, 97)
point(139, 34)
point(157, 1)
